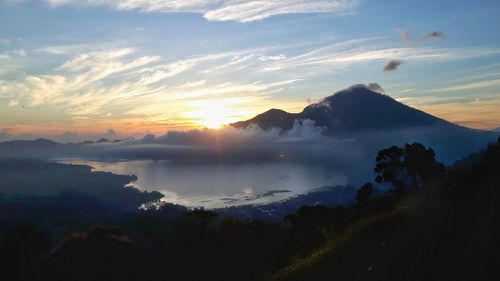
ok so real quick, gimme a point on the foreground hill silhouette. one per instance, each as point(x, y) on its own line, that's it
point(443, 228)
point(353, 109)
point(449, 231)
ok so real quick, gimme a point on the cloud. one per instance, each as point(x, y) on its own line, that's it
point(74, 81)
point(364, 50)
point(230, 136)
point(303, 143)
point(20, 52)
point(110, 134)
point(392, 65)
point(435, 35)
point(219, 10)
point(376, 87)
point(67, 49)
point(159, 73)
point(13, 103)
point(121, 87)
point(236, 63)
point(273, 58)
point(247, 11)
point(84, 73)
point(469, 86)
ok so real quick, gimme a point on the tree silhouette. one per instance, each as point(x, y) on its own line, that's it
point(364, 193)
point(408, 168)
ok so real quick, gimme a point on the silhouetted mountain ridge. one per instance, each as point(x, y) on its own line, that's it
point(352, 109)
point(272, 118)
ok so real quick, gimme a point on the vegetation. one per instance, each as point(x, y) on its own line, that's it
point(436, 223)
point(408, 168)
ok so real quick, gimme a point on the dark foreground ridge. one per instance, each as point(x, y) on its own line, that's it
point(434, 223)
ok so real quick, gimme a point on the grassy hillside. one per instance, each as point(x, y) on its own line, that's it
point(449, 231)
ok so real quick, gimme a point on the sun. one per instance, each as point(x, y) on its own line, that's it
point(215, 120)
point(214, 116)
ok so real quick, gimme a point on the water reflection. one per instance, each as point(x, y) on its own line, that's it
point(220, 185)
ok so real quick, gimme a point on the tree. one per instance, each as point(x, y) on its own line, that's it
point(408, 168)
point(364, 193)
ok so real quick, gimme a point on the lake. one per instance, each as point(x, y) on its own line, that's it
point(214, 186)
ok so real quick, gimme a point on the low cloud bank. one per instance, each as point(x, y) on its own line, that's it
point(302, 131)
point(303, 144)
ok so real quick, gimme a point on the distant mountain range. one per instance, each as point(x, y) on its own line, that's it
point(356, 108)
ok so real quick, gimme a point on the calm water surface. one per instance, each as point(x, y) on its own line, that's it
point(220, 185)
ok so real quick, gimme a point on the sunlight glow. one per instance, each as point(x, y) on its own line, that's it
point(215, 115)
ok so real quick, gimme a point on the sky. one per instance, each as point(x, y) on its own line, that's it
point(77, 69)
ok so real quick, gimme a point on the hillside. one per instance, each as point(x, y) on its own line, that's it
point(447, 232)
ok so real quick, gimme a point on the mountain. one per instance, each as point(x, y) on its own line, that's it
point(369, 121)
point(361, 121)
point(272, 118)
point(356, 108)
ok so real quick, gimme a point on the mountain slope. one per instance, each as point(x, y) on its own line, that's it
point(272, 118)
point(353, 109)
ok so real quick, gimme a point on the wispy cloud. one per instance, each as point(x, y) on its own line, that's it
point(13, 53)
point(273, 58)
point(223, 10)
point(469, 86)
point(350, 52)
point(247, 11)
point(81, 73)
point(158, 73)
point(120, 85)
point(108, 86)
point(66, 49)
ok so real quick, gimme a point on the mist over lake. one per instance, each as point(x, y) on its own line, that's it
point(222, 185)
